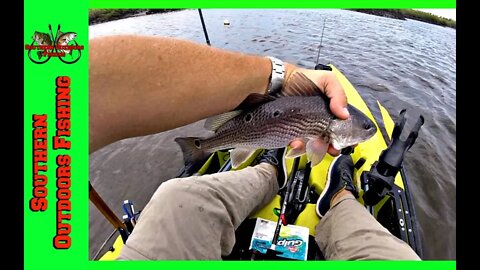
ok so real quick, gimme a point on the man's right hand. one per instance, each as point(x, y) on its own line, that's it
point(329, 84)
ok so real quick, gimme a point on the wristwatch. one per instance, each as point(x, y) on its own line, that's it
point(276, 77)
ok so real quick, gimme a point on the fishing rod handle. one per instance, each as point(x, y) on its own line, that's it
point(323, 67)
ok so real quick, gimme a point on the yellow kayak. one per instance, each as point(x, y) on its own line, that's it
point(392, 207)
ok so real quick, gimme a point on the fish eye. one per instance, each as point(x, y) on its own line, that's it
point(276, 114)
point(248, 117)
point(367, 125)
point(197, 143)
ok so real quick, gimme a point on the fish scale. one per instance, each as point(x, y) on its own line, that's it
point(274, 123)
point(265, 130)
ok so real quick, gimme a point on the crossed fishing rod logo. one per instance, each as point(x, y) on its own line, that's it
point(65, 47)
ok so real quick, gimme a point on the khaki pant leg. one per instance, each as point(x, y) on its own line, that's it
point(195, 218)
point(349, 232)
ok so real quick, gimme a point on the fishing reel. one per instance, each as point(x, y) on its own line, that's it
point(380, 179)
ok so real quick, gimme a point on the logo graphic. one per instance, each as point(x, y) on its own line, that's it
point(43, 48)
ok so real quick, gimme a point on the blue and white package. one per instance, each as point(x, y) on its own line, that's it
point(292, 242)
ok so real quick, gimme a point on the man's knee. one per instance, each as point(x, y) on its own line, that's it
point(170, 189)
point(179, 189)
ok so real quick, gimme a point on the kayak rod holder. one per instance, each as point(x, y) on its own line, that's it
point(380, 179)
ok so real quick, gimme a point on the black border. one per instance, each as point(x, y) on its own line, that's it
point(467, 163)
point(13, 224)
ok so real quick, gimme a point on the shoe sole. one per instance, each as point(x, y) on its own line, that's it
point(327, 185)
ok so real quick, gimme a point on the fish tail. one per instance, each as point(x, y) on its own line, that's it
point(192, 151)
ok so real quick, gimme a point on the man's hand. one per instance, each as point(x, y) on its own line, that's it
point(329, 84)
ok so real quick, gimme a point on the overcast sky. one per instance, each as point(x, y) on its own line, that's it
point(449, 13)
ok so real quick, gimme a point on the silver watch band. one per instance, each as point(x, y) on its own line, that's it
point(277, 76)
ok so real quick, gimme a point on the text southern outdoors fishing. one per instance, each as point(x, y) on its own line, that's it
point(61, 141)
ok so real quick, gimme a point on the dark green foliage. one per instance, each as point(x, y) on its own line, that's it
point(412, 14)
point(105, 15)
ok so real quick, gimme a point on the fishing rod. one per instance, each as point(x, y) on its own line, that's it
point(321, 40)
point(107, 212)
point(124, 228)
point(204, 27)
point(317, 65)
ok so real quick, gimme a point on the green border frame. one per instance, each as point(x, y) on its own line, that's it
point(39, 227)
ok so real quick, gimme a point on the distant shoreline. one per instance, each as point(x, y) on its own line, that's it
point(403, 14)
point(96, 16)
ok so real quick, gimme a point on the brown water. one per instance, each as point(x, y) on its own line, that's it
point(403, 64)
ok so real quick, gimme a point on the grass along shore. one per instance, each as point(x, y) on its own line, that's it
point(403, 14)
